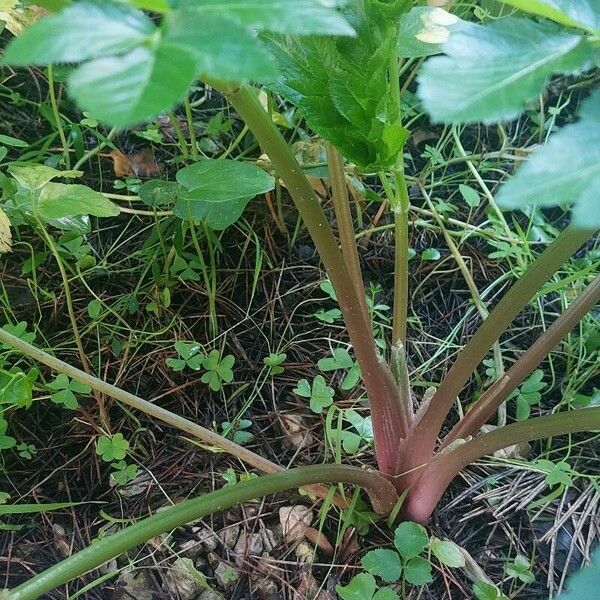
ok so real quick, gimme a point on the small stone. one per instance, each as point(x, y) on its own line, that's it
point(294, 520)
point(226, 575)
point(133, 584)
point(248, 545)
point(230, 535)
point(183, 580)
point(206, 537)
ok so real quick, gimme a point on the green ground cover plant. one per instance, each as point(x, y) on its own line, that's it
point(339, 64)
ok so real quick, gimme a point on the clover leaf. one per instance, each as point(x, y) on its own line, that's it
point(65, 390)
point(218, 370)
point(319, 393)
point(112, 448)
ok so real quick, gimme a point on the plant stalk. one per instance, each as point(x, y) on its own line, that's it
point(341, 206)
point(420, 442)
point(381, 389)
point(381, 492)
point(441, 470)
point(514, 377)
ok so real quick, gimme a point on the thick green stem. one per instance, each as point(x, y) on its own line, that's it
point(400, 204)
point(400, 209)
point(381, 388)
point(381, 492)
point(421, 441)
point(441, 470)
point(343, 215)
point(501, 390)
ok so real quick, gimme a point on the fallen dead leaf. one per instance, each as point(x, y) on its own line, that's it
point(294, 521)
point(140, 164)
point(295, 431)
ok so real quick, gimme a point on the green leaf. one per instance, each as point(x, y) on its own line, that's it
point(81, 31)
point(217, 191)
point(158, 6)
point(218, 370)
point(58, 200)
point(341, 86)
point(112, 448)
point(430, 254)
point(386, 594)
point(502, 65)
point(20, 331)
point(471, 196)
point(520, 569)
point(282, 16)
point(585, 584)
point(584, 14)
point(157, 192)
point(447, 552)
point(187, 349)
point(61, 382)
point(341, 360)
point(66, 398)
point(33, 177)
point(25, 509)
point(565, 170)
point(221, 48)
point(320, 394)
point(383, 563)
point(418, 571)
point(360, 587)
point(129, 88)
point(424, 29)
point(410, 539)
point(11, 141)
point(487, 591)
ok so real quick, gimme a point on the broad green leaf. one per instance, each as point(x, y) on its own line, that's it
point(383, 563)
point(502, 65)
point(59, 200)
point(386, 594)
point(447, 552)
point(488, 591)
point(418, 571)
point(424, 29)
point(360, 587)
point(157, 6)
point(585, 584)
point(51, 5)
point(410, 539)
point(584, 14)
point(565, 170)
point(217, 191)
point(126, 89)
point(81, 31)
point(157, 192)
point(341, 86)
point(281, 16)
point(222, 49)
point(33, 177)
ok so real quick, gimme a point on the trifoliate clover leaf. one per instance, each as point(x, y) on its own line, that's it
point(112, 448)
